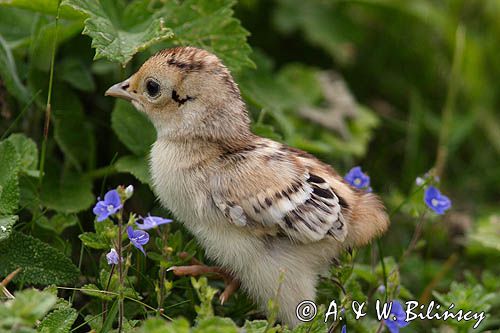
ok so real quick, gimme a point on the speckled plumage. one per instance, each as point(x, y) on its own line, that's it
point(258, 207)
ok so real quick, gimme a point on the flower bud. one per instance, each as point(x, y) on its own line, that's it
point(129, 191)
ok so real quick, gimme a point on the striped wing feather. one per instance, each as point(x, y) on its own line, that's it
point(306, 210)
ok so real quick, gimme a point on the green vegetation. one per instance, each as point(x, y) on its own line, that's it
point(405, 89)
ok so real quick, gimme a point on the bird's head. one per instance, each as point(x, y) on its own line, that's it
point(188, 94)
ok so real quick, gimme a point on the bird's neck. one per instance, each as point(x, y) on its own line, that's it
point(202, 150)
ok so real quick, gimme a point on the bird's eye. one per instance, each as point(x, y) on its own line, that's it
point(152, 88)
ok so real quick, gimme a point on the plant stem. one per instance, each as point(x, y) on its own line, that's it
point(384, 271)
point(449, 106)
point(48, 109)
point(105, 303)
point(120, 274)
point(414, 239)
point(162, 274)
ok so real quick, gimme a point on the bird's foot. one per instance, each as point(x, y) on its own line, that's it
point(197, 268)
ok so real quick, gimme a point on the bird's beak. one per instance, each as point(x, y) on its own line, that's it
point(120, 90)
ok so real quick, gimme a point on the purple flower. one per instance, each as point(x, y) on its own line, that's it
point(344, 329)
point(151, 222)
point(112, 257)
point(355, 177)
point(138, 238)
point(396, 318)
point(109, 206)
point(436, 201)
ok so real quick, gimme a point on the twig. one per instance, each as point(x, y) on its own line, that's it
point(6, 281)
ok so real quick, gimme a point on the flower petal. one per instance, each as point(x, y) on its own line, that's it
point(112, 198)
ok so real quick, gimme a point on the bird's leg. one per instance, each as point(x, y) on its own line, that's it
point(198, 268)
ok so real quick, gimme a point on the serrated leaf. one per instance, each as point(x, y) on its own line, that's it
point(58, 321)
point(41, 264)
point(9, 180)
point(136, 165)
point(32, 304)
point(132, 128)
point(6, 224)
point(210, 25)
point(8, 72)
point(69, 193)
point(115, 39)
point(27, 151)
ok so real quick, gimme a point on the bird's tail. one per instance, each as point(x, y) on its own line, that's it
point(368, 220)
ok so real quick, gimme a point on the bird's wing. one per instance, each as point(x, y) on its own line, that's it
point(275, 193)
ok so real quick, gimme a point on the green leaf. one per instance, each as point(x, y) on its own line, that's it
point(211, 26)
point(43, 6)
point(58, 223)
point(322, 23)
point(94, 241)
point(27, 151)
point(94, 291)
point(206, 294)
point(132, 128)
point(136, 165)
point(73, 133)
point(114, 37)
point(9, 180)
point(485, 239)
point(32, 304)
point(6, 224)
point(215, 325)
point(75, 73)
point(8, 72)
point(58, 321)
point(22, 20)
point(69, 193)
point(44, 34)
point(41, 264)
point(157, 325)
point(256, 326)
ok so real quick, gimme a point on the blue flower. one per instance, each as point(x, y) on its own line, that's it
point(396, 318)
point(138, 238)
point(151, 222)
point(436, 201)
point(355, 177)
point(112, 257)
point(344, 329)
point(109, 206)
